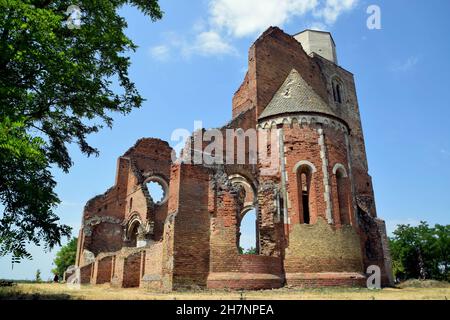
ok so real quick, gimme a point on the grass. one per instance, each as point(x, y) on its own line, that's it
point(38, 291)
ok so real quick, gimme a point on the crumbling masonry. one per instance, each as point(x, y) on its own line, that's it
point(316, 217)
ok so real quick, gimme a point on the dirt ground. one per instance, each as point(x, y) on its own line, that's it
point(104, 292)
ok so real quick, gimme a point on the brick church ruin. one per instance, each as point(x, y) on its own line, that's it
point(316, 220)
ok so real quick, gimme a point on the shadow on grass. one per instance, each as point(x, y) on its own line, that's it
point(17, 295)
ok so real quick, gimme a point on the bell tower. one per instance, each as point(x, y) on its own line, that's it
point(319, 42)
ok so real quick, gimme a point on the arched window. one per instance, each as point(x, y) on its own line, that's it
point(304, 171)
point(247, 235)
point(338, 93)
point(337, 90)
point(304, 186)
point(342, 194)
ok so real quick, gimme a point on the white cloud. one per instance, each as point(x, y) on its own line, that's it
point(229, 19)
point(241, 18)
point(246, 17)
point(209, 43)
point(205, 43)
point(161, 52)
point(407, 65)
point(332, 9)
point(318, 26)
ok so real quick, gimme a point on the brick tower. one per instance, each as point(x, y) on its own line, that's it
point(316, 219)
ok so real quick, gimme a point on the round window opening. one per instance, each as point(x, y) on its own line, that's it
point(156, 191)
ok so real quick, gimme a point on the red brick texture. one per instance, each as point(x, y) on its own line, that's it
point(191, 227)
point(190, 240)
point(103, 268)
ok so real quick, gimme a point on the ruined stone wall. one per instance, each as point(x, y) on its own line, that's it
point(349, 111)
point(374, 246)
point(86, 273)
point(302, 144)
point(105, 216)
point(132, 270)
point(249, 272)
point(321, 247)
point(276, 54)
point(318, 247)
point(103, 268)
point(152, 267)
point(150, 158)
point(228, 268)
point(194, 241)
point(341, 196)
point(191, 226)
point(241, 99)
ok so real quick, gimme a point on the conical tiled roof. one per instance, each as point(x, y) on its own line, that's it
point(296, 96)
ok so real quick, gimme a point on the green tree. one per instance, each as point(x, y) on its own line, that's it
point(65, 257)
point(251, 250)
point(421, 252)
point(55, 89)
point(38, 276)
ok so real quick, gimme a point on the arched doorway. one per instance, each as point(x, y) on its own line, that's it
point(133, 232)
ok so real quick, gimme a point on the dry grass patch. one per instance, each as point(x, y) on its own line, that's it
point(104, 292)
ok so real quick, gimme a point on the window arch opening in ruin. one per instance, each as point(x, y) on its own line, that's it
point(248, 233)
point(133, 234)
point(157, 188)
point(304, 176)
point(156, 191)
point(130, 207)
point(342, 194)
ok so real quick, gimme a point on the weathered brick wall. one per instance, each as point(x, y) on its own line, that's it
point(250, 272)
point(276, 54)
point(102, 272)
point(191, 228)
point(152, 268)
point(341, 196)
point(330, 279)
point(86, 273)
point(132, 270)
point(104, 215)
point(229, 269)
point(349, 111)
point(241, 99)
point(372, 237)
point(118, 270)
point(106, 237)
point(224, 212)
point(321, 247)
point(301, 143)
point(195, 235)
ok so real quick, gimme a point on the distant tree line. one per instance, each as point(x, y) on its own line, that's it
point(65, 258)
point(421, 252)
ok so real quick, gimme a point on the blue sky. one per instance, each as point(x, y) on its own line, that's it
point(190, 63)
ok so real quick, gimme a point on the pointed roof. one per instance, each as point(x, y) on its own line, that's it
point(296, 96)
